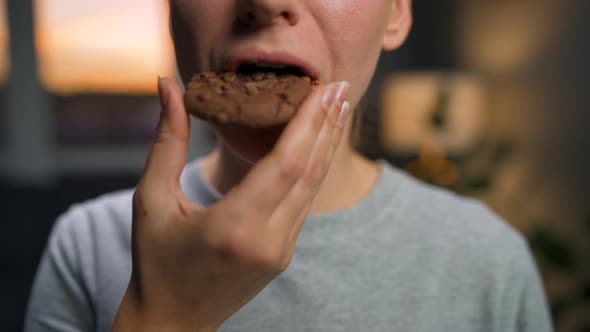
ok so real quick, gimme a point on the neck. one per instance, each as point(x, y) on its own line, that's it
point(350, 178)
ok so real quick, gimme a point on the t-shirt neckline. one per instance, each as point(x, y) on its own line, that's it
point(380, 200)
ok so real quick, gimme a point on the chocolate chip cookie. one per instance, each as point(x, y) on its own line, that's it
point(255, 100)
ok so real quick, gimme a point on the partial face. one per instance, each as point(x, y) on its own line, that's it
point(330, 40)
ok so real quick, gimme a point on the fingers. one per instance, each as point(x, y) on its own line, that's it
point(297, 226)
point(285, 165)
point(304, 191)
point(168, 153)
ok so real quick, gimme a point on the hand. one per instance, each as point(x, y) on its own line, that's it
point(194, 267)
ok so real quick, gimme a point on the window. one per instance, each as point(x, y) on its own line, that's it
point(4, 68)
point(4, 55)
point(99, 60)
point(102, 46)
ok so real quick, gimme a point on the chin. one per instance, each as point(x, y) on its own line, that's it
point(249, 144)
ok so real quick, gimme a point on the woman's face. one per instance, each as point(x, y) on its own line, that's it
point(331, 40)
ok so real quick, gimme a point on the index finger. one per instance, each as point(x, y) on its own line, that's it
point(169, 149)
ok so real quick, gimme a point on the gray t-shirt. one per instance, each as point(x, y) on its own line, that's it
point(408, 257)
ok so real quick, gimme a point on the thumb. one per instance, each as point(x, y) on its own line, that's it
point(168, 153)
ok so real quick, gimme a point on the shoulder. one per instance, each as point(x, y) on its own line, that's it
point(105, 217)
point(110, 214)
point(105, 211)
point(460, 227)
point(93, 238)
point(479, 257)
point(89, 240)
point(465, 243)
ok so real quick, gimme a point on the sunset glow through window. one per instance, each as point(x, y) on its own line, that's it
point(3, 43)
point(102, 46)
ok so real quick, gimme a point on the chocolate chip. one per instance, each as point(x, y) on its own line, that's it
point(219, 89)
point(205, 96)
point(229, 77)
point(258, 76)
point(222, 118)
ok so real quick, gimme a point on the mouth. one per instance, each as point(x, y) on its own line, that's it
point(251, 68)
point(279, 63)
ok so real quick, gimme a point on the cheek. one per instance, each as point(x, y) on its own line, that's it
point(194, 26)
point(354, 32)
point(354, 28)
point(180, 30)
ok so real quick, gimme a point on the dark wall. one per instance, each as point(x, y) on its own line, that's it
point(28, 215)
point(430, 45)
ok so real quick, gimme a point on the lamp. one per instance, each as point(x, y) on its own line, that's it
point(441, 110)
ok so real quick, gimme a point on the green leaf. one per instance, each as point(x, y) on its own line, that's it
point(478, 184)
point(438, 114)
point(552, 250)
point(502, 152)
point(438, 119)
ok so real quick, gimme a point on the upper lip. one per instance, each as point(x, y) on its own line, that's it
point(253, 56)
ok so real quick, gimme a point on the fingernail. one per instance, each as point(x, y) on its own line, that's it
point(161, 92)
point(344, 111)
point(335, 92)
point(341, 92)
point(329, 95)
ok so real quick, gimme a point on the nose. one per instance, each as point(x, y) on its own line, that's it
point(263, 13)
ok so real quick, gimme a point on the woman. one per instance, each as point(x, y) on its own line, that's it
point(221, 243)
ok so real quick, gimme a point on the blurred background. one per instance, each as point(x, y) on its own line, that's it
point(487, 98)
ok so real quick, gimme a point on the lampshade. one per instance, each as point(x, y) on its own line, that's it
point(440, 109)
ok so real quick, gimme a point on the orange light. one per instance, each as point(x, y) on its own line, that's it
point(4, 56)
point(501, 37)
point(99, 46)
point(407, 105)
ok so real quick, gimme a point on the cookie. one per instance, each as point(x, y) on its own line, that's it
point(255, 100)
